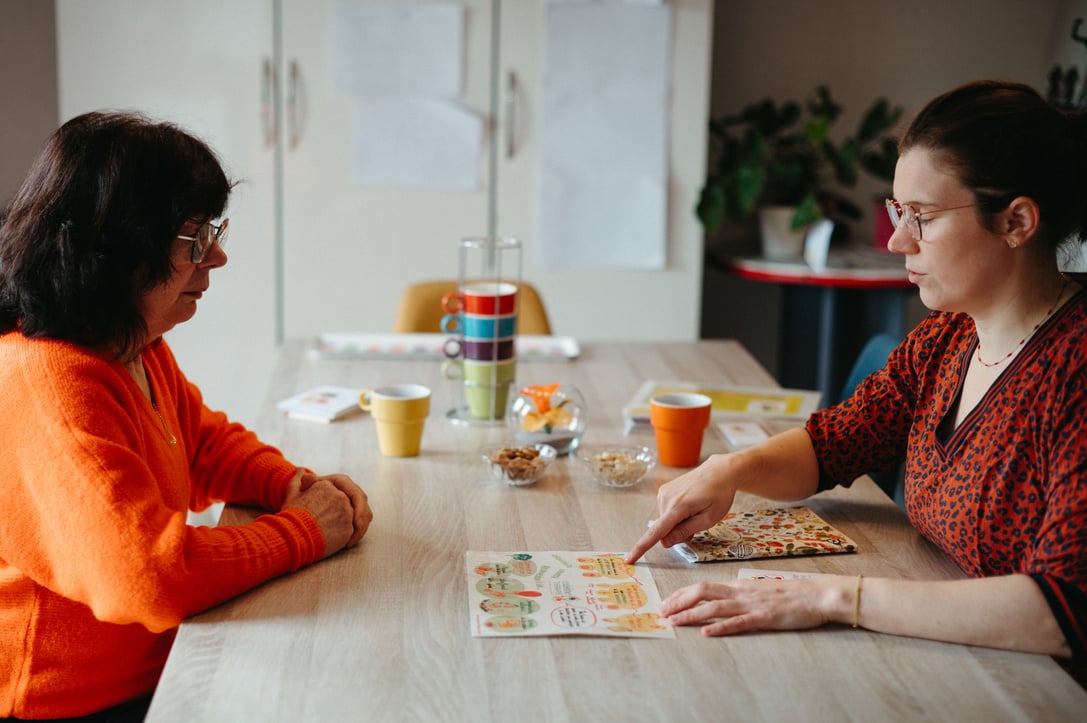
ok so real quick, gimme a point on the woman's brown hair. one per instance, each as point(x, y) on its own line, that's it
point(1004, 140)
point(94, 223)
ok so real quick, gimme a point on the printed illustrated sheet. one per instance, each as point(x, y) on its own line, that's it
point(359, 345)
point(562, 593)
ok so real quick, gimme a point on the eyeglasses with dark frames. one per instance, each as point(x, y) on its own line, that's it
point(905, 213)
point(204, 237)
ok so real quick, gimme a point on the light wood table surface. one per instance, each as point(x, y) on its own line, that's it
point(381, 632)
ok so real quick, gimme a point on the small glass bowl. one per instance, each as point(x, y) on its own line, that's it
point(518, 465)
point(618, 466)
point(554, 414)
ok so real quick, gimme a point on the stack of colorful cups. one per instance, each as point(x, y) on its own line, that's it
point(484, 316)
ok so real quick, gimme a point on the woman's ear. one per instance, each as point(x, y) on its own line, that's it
point(1019, 221)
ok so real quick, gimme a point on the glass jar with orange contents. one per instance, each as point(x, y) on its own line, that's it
point(553, 414)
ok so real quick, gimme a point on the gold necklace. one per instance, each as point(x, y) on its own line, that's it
point(136, 369)
point(169, 435)
point(1009, 355)
point(138, 373)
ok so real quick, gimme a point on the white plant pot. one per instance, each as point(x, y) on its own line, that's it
point(779, 241)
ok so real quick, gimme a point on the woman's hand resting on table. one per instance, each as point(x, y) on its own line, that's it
point(743, 605)
point(338, 505)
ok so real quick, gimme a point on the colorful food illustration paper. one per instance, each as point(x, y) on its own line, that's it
point(777, 532)
point(562, 593)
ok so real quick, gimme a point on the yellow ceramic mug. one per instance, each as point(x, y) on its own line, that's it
point(399, 412)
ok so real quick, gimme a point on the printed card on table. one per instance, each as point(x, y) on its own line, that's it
point(326, 403)
point(562, 593)
point(776, 532)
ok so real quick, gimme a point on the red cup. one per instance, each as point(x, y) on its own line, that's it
point(490, 298)
point(679, 421)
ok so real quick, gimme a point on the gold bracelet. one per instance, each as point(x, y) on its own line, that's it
point(857, 602)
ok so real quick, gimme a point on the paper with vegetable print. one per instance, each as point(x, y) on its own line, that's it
point(562, 593)
point(776, 532)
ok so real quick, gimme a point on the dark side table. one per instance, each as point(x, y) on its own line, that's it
point(829, 314)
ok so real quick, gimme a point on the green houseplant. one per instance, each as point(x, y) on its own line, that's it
point(784, 155)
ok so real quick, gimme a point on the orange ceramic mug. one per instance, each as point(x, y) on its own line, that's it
point(679, 421)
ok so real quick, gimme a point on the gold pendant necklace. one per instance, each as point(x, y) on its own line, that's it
point(1009, 355)
point(139, 373)
point(169, 435)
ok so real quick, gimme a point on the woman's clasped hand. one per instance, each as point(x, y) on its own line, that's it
point(338, 505)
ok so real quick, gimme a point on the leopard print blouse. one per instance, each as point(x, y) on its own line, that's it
point(1005, 491)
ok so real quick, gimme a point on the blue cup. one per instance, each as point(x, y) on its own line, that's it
point(480, 327)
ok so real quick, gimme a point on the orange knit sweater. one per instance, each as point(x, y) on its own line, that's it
point(97, 564)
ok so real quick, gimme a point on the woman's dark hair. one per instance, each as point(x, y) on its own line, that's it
point(94, 224)
point(1004, 140)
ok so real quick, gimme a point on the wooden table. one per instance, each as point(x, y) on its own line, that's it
point(381, 632)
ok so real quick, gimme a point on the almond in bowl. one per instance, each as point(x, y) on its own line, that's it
point(518, 465)
point(618, 466)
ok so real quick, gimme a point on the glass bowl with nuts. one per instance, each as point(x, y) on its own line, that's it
point(618, 466)
point(518, 466)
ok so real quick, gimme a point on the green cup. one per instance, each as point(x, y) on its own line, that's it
point(480, 372)
point(487, 401)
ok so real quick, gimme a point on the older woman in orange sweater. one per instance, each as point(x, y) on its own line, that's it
point(108, 245)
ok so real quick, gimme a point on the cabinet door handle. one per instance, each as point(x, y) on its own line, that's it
point(267, 102)
point(294, 105)
point(511, 114)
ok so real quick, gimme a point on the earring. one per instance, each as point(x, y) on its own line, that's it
point(1012, 243)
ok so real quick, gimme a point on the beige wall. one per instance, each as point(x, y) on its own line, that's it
point(28, 85)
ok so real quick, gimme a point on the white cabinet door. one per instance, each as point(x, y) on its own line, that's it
point(350, 249)
point(608, 304)
point(198, 64)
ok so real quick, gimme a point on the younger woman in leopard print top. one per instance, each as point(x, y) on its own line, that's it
point(983, 401)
